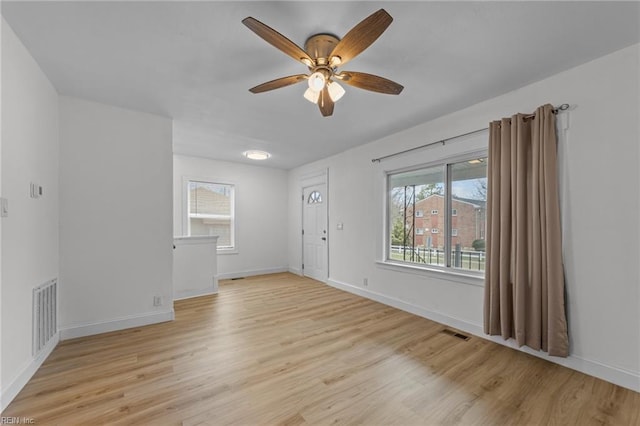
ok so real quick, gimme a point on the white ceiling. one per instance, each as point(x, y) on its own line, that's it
point(195, 61)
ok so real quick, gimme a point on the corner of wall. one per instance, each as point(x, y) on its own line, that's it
point(29, 155)
point(25, 373)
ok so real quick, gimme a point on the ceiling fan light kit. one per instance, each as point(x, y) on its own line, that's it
point(312, 95)
point(317, 81)
point(335, 91)
point(322, 55)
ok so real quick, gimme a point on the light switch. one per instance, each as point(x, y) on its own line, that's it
point(4, 207)
point(35, 190)
point(340, 226)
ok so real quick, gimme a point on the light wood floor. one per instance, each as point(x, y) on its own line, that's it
point(280, 349)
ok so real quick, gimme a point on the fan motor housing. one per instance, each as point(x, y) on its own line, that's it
point(320, 46)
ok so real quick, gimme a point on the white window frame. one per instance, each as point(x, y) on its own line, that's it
point(419, 231)
point(234, 221)
point(473, 277)
point(419, 213)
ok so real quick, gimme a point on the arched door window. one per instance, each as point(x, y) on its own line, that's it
point(314, 198)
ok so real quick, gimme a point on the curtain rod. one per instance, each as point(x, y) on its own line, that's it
point(556, 110)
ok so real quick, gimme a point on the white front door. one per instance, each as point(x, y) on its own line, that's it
point(314, 232)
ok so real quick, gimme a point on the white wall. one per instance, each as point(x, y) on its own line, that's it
point(600, 209)
point(30, 232)
point(115, 217)
point(2, 391)
point(261, 213)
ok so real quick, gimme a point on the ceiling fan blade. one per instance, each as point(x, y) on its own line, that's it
point(277, 40)
point(325, 103)
point(278, 83)
point(371, 82)
point(362, 36)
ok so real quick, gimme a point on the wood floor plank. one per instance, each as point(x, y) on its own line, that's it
point(282, 349)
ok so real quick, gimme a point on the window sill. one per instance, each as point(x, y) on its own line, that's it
point(228, 251)
point(448, 275)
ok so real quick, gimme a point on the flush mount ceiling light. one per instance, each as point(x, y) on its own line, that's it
point(256, 155)
point(322, 54)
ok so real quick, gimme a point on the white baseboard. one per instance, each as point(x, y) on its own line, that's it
point(188, 294)
point(252, 273)
point(70, 332)
point(80, 330)
point(296, 271)
point(27, 372)
point(625, 378)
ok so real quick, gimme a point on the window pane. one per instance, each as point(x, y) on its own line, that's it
point(409, 192)
point(469, 201)
point(209, 198)
point(314, 198)
point(211, 211)
point(220, 227)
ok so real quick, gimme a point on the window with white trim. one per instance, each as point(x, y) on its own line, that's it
point(456, 189)
point(211, 211)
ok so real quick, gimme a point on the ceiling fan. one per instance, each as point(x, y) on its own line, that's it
point(323, 54)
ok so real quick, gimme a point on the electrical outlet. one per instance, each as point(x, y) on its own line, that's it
point(365, 282)
point(157, 300)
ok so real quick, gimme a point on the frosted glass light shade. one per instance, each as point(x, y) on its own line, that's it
point(316, 81)
point(312, 95)
point(335, 91)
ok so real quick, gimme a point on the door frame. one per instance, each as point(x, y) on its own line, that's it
point(311, 179)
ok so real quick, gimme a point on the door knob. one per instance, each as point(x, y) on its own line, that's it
point(324, 238)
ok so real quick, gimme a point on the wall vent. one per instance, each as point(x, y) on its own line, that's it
point(455, 334)
point(45, 314)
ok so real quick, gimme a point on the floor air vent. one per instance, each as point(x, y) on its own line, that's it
point(455, 334)
point(45, 314)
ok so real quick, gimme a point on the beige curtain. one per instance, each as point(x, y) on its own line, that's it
point(524, 279)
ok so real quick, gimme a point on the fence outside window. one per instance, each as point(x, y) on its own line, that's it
point(472, 260)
